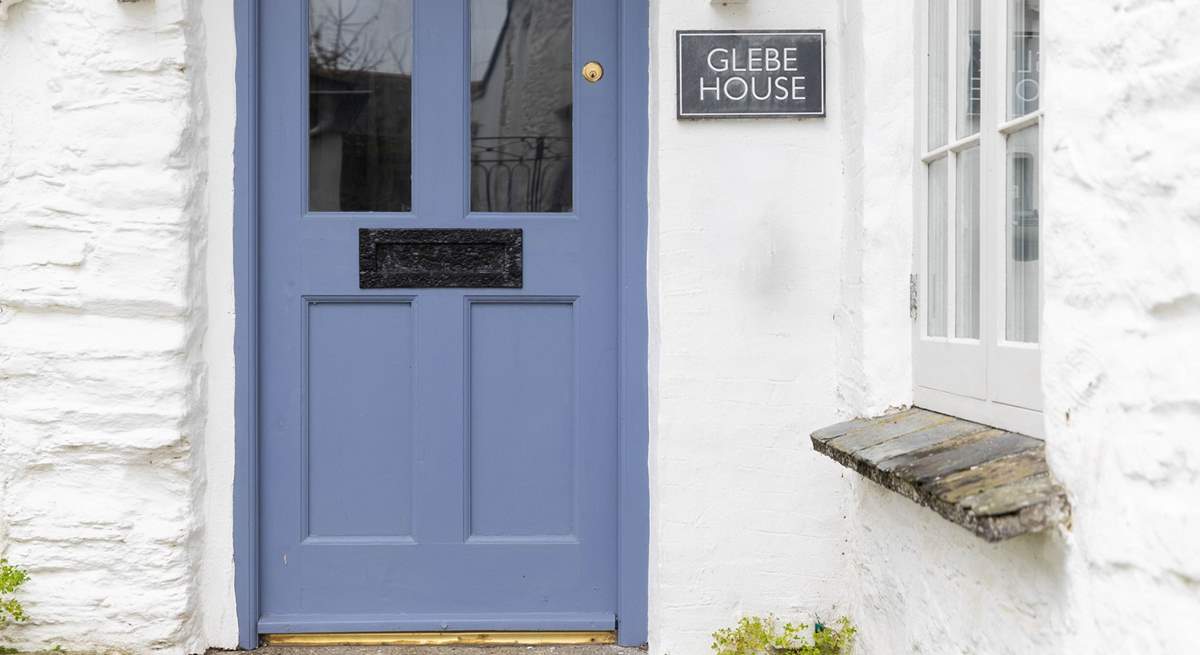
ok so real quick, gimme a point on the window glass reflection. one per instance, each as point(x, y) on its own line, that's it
point(966, 246)
point(1023, 265)
point(939, 88)
point(521, 74)
point(1025, 29)
point(937, 259)
point(360, 105)
point(970, 66)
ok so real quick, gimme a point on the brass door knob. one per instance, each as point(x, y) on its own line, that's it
point(593, 71)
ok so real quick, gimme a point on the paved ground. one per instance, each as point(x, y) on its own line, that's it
point(445, 650)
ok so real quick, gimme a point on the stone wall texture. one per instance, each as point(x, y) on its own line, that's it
point(1120, 359)
point(102, 399)
point(768, 321)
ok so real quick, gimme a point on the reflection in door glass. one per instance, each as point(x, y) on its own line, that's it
point(360, 105)
point(521, 105)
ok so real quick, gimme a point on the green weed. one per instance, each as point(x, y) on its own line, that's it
point(757, 635)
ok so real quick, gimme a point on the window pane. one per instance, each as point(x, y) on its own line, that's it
point(360, 105)
point(1025, 27)
point(521, 105)
point(1023, 268)
point(937, 262)
point(966, 246)
point(939, 36)
point(969, 58)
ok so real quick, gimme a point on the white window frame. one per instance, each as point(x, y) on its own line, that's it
point(990, 380)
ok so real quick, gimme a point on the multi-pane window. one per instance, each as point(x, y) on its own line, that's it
point(979, 222)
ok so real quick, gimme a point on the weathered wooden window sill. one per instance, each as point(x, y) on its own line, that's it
point(992, 482)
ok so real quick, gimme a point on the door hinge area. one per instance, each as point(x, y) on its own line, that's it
point(913, 297)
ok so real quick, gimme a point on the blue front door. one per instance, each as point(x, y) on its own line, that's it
point(438, 298)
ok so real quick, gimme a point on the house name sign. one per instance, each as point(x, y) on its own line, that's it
point(750, 73)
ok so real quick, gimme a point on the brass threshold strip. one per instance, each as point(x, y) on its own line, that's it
point(440, 639)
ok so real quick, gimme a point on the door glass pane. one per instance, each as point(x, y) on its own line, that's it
point(521, 73)
point(969, 58)
point(1022, 264)
point(360, 105)
point(1025, 28)
point(939, 39)
point(937, 263)
point(966, 246)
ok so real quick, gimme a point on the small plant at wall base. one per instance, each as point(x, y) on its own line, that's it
point(757, 635)
point(11, 579)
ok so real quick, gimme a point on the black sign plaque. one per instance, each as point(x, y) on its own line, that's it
point(750, 74)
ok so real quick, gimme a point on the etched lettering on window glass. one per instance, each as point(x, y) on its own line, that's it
point(521, 85)
point(360, 106)
point(970, 66)
point(1025, 29)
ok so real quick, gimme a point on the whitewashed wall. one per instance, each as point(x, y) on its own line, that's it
point(1121, 353)
point(103, 390)
point(1120, 361)
point(746, 243)
point(1122, 364)
point(779, 254)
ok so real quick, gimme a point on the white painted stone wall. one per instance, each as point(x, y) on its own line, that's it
point(779, 255)
point(1122, 347)
point(1120, 361)
point(103, 389)
point(746, 246)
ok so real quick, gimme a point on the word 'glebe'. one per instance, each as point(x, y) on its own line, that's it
point(753, 60)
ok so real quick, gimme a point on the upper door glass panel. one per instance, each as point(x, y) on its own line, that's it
point(521, 73)
point(360, 105)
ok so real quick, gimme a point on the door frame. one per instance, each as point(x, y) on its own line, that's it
point(633, 486)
